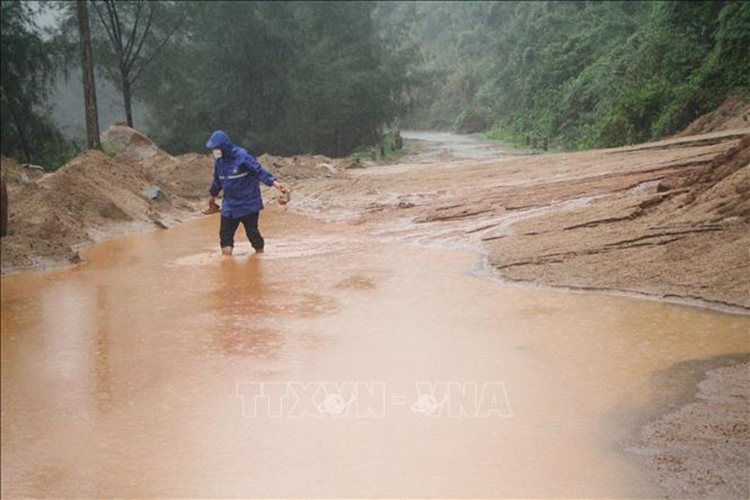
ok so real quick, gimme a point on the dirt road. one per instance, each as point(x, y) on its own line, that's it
point(370, 352)
point(669, 219)
point(429, 147)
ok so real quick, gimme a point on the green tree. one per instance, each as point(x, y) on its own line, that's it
point(127, 36)
point(130, 26)
point(27, 70)
point(284, 77)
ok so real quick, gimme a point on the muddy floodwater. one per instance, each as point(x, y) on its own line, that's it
point(388, 370)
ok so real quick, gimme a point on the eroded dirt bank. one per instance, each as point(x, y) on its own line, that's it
point(667, 219)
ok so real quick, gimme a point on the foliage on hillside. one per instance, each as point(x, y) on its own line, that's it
point(580, 74)
point(331, 77)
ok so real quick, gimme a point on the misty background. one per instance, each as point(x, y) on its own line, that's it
point(66, 97)
point(332, 77)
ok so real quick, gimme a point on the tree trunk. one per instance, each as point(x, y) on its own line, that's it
point(87, 67)
point(126, 98)
point(3, 209)
point(21, 133)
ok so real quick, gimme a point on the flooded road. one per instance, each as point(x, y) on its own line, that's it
point(431, 145)
point(138, 374)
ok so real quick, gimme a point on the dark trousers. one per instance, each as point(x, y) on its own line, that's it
point(229, 227)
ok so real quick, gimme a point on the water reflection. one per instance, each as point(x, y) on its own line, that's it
point(102, 367)
point(249, 307)
point(241, 299)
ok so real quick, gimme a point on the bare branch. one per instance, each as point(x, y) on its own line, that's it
point(111, 74)
point(133, 33)
point(104, 23)
point(116, 26)
point(144, 35)
point(158, 49)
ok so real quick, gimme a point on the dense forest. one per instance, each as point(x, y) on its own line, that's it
point(284, 77)
point(579, 74)
point(328, 77)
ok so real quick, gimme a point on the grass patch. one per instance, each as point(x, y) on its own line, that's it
point(505, 135)
point(108, 149)
point(516, 140)
point(383, 153)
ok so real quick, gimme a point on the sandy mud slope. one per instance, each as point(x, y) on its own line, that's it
point(668, 219)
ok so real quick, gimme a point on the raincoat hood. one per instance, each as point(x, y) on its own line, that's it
point(220, 139)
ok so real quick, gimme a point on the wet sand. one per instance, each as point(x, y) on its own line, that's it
point(698, 444)
point(114, 386)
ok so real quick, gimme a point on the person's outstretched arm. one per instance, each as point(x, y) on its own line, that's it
point(264, 175)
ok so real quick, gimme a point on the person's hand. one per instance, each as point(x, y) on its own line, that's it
point(286, 194)
point(212, 207)
point(281, 187)
point(284, 198)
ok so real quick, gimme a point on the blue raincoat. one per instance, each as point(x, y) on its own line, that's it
point(237, 172)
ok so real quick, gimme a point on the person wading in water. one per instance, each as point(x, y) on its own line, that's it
point(237, 173)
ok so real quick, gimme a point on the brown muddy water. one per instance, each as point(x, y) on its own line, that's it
point(386, 370)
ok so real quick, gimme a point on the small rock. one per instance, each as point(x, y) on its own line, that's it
point(156, 219)
point(155, 193)
point(330, 169)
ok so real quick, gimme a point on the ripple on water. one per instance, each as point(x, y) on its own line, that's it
point(287, 248)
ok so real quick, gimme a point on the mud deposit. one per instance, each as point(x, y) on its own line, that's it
point(669, 219)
